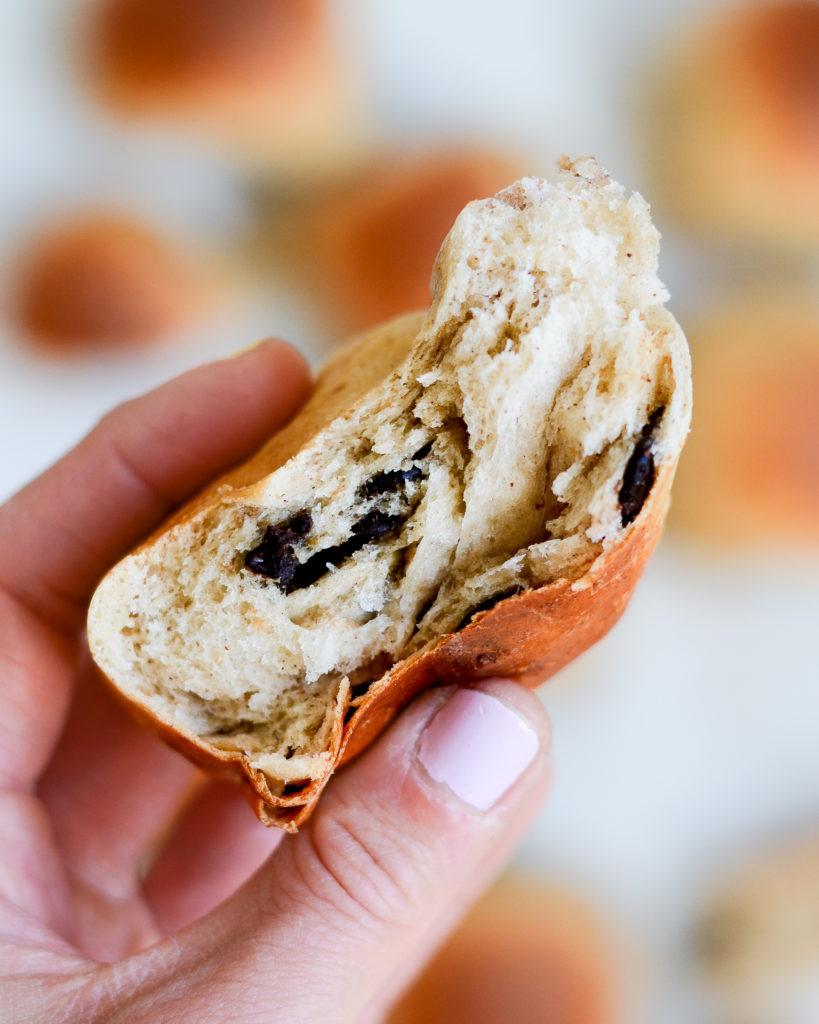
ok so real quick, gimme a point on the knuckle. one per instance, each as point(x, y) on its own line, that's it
point(367, 870)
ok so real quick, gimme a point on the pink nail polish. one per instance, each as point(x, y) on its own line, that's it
point(478, 747)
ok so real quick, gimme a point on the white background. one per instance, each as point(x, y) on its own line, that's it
point(690, 735)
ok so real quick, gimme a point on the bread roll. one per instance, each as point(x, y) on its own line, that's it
point(468, 493)
point(369, 248)
point(528, 953)
point(264, 78)
point(754, 449)
point(104, 278)
point(735, 129)
point(759, 939)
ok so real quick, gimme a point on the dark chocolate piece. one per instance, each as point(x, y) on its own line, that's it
point(375, 525)
point(276, 558)
point(487, 604)
point(393, 480)
point(638, 477)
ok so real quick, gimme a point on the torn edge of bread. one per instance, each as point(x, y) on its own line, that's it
point(501, 443)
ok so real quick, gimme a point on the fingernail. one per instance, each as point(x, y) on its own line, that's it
point(478, 747)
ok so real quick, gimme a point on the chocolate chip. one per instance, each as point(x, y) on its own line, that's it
point(638, 477)
point(486, 605)
point(393, 480)
point(275, 557)
point(375, 525)
point(301, 524)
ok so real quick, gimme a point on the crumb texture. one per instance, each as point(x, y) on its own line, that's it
point(513, 440)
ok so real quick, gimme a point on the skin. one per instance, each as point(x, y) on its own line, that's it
point(132, 889)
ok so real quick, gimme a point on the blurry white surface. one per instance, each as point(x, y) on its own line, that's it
point(684, 740)
point(690, 733)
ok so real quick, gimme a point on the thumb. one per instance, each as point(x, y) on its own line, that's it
point(345, 912)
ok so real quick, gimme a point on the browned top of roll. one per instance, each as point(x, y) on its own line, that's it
point(144, 48)
point(101, 277)
point(778, 49)
point(372, 246)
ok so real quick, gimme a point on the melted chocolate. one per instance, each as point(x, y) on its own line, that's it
point(275, 558)
point(394, 480)
point(638, 476)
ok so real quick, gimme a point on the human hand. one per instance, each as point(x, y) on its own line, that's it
point(120, 899)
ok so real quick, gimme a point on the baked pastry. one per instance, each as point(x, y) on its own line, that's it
point(759, 939)
point(104, 278)
point(528, 952)
point(369, 247)
point(767, 346)
point(735, 131)
point(470, 492)
point(264, 78)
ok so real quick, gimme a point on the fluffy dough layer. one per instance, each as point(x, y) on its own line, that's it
point(518, 439)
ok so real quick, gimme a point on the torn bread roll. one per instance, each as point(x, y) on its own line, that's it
point(468, 493)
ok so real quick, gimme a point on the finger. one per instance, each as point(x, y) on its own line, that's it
point(215, 847)
point(59, 534)
point(348, 909)
point(36, 665)
point(111, 789)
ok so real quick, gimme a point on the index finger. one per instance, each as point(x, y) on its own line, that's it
point(60, 533)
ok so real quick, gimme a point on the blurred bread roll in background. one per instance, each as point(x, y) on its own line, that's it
point(265, 78)
point(527, 953)
point(759, 940)
point(369, 246)
point(750, 470)
point(104, 278)
point(735, 125)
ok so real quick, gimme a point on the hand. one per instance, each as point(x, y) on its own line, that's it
point(131, 890)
